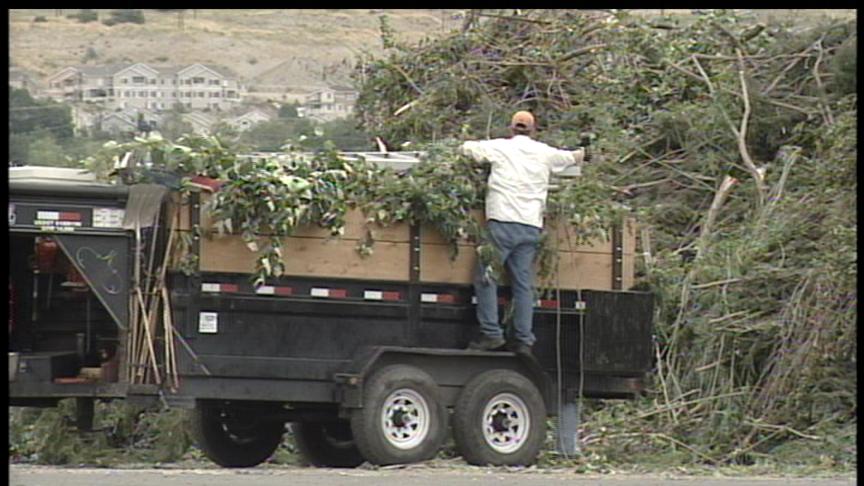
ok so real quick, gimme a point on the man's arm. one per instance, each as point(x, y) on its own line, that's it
point(563, 159)
point(476, 150)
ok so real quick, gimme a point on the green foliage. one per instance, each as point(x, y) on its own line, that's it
point(130, 16)
point(266, 198)
point(44, 150)
point(173, 126)
point(28, 115)
point(272, 136)
point(122, 434)
point(289, 110)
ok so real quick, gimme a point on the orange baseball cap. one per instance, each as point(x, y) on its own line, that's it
point(522, 119)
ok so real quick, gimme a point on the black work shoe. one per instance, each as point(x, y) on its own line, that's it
point(519, 348)
point(486, 343)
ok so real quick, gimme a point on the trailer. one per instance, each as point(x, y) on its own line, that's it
point(364, 358)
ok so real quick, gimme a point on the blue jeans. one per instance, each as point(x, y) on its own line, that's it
point(517, 246)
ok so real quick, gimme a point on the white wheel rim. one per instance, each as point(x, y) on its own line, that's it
point(506, 423)
point(405, 418)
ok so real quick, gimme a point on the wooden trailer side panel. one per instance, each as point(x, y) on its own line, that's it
point(312, 252)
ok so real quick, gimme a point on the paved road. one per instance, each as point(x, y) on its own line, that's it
point(414, 476)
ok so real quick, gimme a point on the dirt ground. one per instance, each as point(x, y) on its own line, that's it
point(20, 475)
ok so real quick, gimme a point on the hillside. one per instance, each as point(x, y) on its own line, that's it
point(264, 46)
point(268, 48)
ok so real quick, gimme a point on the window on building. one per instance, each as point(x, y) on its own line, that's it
point(200, 94)
point(198, 80)
point(153, 81)
point(139, 80)
point(217, 95)
point(231, 94)
point(142, 94)
point(124, 81)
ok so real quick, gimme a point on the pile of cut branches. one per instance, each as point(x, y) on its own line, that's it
point(735, 141)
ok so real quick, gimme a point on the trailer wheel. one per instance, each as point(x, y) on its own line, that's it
point(499, 420)
point(234, 436)
point(327, 444)
point(402, 420)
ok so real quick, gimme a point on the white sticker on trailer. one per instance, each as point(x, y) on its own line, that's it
point(208, 322)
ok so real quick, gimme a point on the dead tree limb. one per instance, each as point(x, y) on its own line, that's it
point(757, 173)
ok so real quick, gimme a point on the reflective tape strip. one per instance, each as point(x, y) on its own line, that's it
point(219, 287)
point(48, 215)
point(331, 293)
point(271, 290)
point(209, 287)
point(438, 298)
point(381, 295)
point(547, 304)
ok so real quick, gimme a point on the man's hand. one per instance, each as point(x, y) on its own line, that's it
point(588, 154)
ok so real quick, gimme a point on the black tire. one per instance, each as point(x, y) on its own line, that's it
point(416, 419)
point(327, 444)
point(235, 436)
point(518, 420)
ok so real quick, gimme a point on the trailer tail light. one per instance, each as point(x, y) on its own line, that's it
point(328, 293)
point(219, 288)
point(381, 295)
point(437, 298)
point(273, 290)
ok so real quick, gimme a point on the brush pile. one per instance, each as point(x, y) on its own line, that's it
point(736, 143)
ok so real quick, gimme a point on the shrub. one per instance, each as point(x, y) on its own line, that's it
point(85, 15)
point(129, 16)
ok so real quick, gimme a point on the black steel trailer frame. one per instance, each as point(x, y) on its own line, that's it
point(312, 351)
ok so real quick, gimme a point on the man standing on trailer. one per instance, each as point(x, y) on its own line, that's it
point(515, 202)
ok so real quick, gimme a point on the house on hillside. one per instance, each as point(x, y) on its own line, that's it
point(202, 123)
point(249, 119)
point(93, 84)
point(128, 121)
point(205, 86)
point(118, 123)
point(329, 103)
point(140, 85)
point(21, 79)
